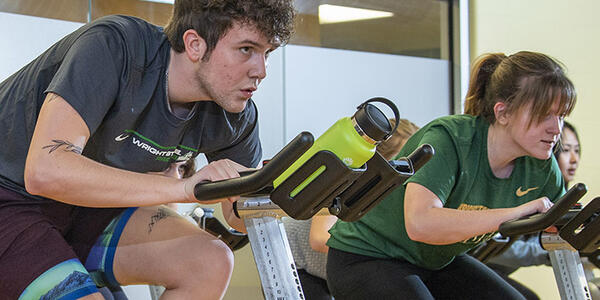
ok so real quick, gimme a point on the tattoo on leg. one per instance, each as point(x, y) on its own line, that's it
point(58, 143)
point(160, 214)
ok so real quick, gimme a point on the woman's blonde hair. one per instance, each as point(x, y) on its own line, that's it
point(390, 148)
point(518, 80)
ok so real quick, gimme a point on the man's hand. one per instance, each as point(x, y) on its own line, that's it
point(215, 171)
point(233, 221)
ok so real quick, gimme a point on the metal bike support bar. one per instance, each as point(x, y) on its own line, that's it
point(259, 179)
point(539, 222)
point(569, 274)
point(273, 257)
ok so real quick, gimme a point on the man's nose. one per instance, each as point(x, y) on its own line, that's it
point(259, 68)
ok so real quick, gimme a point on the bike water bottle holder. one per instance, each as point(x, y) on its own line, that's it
point(320, 192)
point(347, 193)
point(379, 179)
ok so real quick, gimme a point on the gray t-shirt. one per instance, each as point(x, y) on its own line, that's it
point(113, 73)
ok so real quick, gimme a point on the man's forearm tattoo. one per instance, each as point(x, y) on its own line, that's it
point(68, 146)
point(160, 214)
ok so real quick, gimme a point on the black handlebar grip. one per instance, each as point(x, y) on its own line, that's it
point(421, 156)
point(260, 178)
point(539, 222)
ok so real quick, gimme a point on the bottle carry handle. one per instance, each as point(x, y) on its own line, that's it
point(391, 105)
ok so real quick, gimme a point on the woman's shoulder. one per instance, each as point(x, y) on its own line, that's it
point(460, 128)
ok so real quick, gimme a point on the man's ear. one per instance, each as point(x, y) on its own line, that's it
point(501, 113)
point(195, 46)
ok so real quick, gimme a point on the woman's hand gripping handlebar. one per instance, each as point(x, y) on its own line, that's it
point(539, 222)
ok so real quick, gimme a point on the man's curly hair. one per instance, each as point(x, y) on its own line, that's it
point(211, 19)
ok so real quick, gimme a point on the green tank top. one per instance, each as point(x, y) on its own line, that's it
point(460, 175)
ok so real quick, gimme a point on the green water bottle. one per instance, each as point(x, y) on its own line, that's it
point(352, 139)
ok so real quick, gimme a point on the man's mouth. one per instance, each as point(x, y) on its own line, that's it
point(247, 92)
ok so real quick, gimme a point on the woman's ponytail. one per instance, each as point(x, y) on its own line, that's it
point(481, 74)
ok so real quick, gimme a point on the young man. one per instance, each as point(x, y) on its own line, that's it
point(118, 98)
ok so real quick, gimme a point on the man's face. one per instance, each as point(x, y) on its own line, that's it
point(235, 67)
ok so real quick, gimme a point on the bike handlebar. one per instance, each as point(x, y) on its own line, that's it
point(258, 179)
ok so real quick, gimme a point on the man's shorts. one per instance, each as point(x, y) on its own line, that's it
point(43, 240)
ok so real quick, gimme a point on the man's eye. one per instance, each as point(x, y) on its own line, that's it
point(245, 50)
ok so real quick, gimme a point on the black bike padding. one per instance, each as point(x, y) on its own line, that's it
point(539, 222)
point(259, 179)
point(583, 231)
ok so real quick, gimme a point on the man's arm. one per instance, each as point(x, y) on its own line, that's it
point(56, 169)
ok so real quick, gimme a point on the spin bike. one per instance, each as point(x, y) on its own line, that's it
point(578, 233)
point(338, 190)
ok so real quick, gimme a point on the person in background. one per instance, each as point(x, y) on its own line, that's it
point(568, 152)
point(308, 238)
point(180, 170)
point(491, 165)
point(526, 250)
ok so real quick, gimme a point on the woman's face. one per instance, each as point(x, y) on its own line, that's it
point(568, 158)
point(537, 139)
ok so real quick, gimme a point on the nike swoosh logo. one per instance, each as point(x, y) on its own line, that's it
point(121, 137)
point(521, 193)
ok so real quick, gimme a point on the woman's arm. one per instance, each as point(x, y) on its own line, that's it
point(427, 221)
point(319, 232)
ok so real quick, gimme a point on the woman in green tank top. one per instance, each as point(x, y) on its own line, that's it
point(492, 165)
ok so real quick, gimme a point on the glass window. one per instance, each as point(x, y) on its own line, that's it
point(405, 27)
point(155, 12)
point(68, 10)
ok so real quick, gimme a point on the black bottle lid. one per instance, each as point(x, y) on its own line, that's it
point(373, 122)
